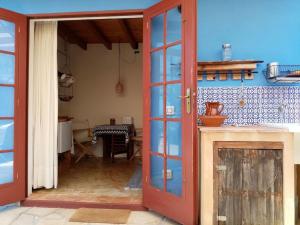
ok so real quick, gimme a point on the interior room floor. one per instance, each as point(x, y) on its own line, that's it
point(95, 180)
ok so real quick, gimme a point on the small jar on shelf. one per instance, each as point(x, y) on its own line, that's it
point(227, 52)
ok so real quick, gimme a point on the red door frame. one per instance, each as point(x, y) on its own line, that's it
point(16, 191)
point(185, 210)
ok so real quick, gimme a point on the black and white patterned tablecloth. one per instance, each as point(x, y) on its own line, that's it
point(125, 129)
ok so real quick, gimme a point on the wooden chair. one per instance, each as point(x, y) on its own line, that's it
point(138, 142)
point(118, 146)
point(84, 147)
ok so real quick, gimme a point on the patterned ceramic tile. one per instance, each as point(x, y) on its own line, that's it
point(280, 104)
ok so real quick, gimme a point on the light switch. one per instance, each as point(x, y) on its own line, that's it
point(170, 110)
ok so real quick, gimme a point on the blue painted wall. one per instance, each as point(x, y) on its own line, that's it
point(268, 30)
point(257, 29)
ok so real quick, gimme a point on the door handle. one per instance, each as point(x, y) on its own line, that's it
point(183, 97)
point(187, 98)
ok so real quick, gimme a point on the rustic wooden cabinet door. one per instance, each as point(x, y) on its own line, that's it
point(249, 186)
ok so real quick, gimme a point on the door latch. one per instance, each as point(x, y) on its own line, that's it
point(187, 98)
point(221, 218)
point(221, 168)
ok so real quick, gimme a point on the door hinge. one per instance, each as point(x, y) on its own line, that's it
point(221, 168)
point(17, 175)
point(19, 29)
point(146, 179)
point(221, 218)
point(147, 25)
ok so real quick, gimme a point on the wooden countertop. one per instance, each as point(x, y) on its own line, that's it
point(231, 62)
point(232, 129)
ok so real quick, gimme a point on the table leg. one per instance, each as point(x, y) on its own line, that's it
point(106, 147)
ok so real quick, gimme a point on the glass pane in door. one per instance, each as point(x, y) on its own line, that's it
point(174, 25)
point(7, 36)
point(157, 171)
point(157, 66)
point(174, 100)
point(174, 138)
point(174, 180)
point(157, 102)
point(157, 31)
point(157, 136)
point(174, 63)
point(6, 167)
point(7, 68)
point(6, 101)
point(6, 135)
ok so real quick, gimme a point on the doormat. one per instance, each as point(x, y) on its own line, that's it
point(113, 216)
point(135, 182)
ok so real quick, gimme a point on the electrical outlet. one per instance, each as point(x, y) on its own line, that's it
point(169, 174)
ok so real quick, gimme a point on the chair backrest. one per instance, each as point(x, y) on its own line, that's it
point(139, 132)
point(82, 129)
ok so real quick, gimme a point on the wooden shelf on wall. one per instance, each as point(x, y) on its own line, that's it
point(237, 68)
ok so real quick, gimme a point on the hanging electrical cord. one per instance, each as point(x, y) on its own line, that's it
point(119, 88)
point(131, 61)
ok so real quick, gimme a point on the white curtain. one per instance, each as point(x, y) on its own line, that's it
point(43, 106)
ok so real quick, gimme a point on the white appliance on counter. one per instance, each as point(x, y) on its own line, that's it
point(65, 137)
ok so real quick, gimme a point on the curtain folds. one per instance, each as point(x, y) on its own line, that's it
point(43, 106)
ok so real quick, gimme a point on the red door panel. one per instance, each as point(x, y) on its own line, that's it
point(170, 112)
point(13, 114)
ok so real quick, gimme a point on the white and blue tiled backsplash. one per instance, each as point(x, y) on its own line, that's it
point(264, 104)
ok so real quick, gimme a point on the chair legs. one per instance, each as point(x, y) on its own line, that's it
point(83, 151)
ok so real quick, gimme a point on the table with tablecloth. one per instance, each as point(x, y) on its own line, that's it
point(106, 132)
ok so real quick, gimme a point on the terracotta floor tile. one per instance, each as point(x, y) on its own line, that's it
point(94, 180)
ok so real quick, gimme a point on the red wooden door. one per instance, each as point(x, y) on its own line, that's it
point(170, 112)
point(13, 73)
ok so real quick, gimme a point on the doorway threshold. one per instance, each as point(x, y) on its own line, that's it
point(74, 205)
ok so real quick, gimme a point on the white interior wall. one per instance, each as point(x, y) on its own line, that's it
point(96, 74)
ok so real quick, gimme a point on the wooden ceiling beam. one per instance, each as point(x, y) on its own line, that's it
point(65, 32)
point(95, 28)
point(127, 31)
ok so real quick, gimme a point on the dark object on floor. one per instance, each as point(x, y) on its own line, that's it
point(114, 216)
point(135, 181)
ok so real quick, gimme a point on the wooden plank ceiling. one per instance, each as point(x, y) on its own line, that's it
point(107, 32)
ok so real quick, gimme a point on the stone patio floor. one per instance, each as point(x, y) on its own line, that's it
point(58, 216)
